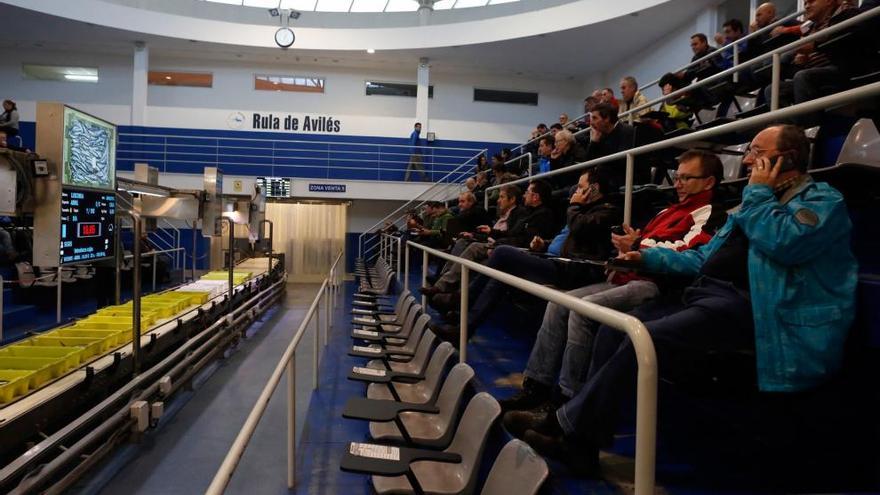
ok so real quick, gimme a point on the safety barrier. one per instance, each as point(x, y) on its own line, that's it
point(328, 293)
point(646, 394)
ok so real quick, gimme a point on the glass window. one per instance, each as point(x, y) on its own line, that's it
point(301, 84)
point(395, 89)
point(506, 96)
point(174, 78)
point(60, 73)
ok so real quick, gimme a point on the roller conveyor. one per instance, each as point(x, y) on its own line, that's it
point(204, 331)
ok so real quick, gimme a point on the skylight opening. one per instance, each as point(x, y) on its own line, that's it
point(359, 5)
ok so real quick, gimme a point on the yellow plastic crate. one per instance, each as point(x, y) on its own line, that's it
point(70, 355)
point(193, 297)
point(115, 319)
point(95, 323)
point(237, 277)
point(12, 384)
point(90, 346)
point(106, 338)
point(40, 370)
point(147, 317)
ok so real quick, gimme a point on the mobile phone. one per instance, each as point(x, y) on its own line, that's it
point(787, 163)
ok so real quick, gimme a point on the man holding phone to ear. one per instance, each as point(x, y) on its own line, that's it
point(779, 278)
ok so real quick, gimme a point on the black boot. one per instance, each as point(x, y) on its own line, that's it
point(532, 395)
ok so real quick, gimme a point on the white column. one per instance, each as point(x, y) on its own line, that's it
point(425, 9)
point(139, 83)
point(424, 81)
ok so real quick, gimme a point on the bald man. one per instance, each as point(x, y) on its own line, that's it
point(765, 15)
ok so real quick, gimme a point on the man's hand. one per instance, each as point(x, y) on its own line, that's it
point(484, 229)
point(753, 26)
point(467, 235)
point(538, 245)
point(765, 174)
point(624, 243)
point(778, 30)
point(719, 39)
point(631, 256)
point(595, 135)
point(579, 197)
point(800, 59)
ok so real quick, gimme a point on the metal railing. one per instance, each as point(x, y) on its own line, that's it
point(300, 158)
point(328, 293)
point(451, 181)
point(153, 254)
point(831, 101)
point(646, 357)
point(390, 249)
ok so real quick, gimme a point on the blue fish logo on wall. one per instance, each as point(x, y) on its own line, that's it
point(235, 120)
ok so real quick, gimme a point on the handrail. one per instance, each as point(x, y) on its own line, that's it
point(747, 37)
point(439, 183)
point(155, 252)
point(230, 462)
point(824, 102)
point(646, 356)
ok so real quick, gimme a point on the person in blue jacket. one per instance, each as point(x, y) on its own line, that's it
point(778, 278)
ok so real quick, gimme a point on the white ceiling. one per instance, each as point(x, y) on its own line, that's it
point(570, 54)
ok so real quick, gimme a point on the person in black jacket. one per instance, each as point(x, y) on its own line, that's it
point(566, 152)
point(586, 236)
point(607, 137)
point(535, 219)
point(470, 214)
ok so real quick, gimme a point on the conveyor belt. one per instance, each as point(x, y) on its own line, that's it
point(70, 369)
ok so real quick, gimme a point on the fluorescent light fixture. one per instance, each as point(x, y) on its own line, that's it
point(371, 50)
point(145, 193)
point(81, 77)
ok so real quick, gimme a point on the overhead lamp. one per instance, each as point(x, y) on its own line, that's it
point(81, 77)
point(274, 12)
point(371, 50)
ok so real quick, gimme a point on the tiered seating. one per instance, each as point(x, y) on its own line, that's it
point(420, 439)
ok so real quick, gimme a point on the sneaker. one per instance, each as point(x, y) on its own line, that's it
point(429, 290)
point(532, 395)
point(517, 423)
point(449, 333)
point(446, 301)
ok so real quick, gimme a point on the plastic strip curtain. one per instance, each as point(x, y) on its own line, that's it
point(309, 235)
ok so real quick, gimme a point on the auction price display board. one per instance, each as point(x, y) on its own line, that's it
point(87, 224)
point(275, 187)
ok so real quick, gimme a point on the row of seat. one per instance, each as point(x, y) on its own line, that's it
point(420, 441)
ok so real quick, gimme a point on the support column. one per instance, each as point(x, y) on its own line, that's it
point(139, 83)
point(424, 81)
point(426, 7)
point(707, 22)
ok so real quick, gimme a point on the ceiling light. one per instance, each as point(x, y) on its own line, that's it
point(168, 77)
point(371, 50)
point(81, 77)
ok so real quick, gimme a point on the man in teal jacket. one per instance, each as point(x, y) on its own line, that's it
point(779, 277)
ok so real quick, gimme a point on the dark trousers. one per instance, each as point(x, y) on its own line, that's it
point(713, 316)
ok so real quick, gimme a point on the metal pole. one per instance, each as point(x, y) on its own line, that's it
point(398, 258)
point(424, 277)
point(154, 270)
point(291, 422)
point(627, 201)
point(463, 317)
point(406, 269)
point(120, 260)
point(58, 296)
point(195, 243)
point(231, 265)
point(774, 83)
point(735, 49)
point(315, 355)
point(271, 238)
point(136, 295)
point(325, 295)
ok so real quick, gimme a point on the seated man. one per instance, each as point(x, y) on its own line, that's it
point(566, 152)
point(608, 136)
point(439, 215)
point(779, 278)
point(630, 98)
point(470, 214)
point(545, 150)
point(586, 236)
point(565, 339)
point(537, 220)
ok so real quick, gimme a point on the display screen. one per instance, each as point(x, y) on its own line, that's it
point(89, 151)
point(87, 223)
point(275, 187)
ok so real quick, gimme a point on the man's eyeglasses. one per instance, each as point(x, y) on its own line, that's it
point(686, 177)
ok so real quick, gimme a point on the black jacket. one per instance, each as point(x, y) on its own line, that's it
point(590, 230)
point(575, 154)
point(515, 215)
point(537, 221)
point(621, 138)
point(472, 218)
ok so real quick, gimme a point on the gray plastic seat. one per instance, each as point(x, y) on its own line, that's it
point(443, 478)
point(421, 392)
point(399, 335)
point(862, 144)
point(420, 343)
point(400, 312)
point(517, 470)
point(430, 430)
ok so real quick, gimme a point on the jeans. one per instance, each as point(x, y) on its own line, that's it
point(565, 340)
point(476, 251)
point(713, 316)
point(415, 164)
point(486, 291)
point(807, 84)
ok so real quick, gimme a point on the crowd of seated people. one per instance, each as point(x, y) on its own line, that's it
point(774, 276)
point(772, 279)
